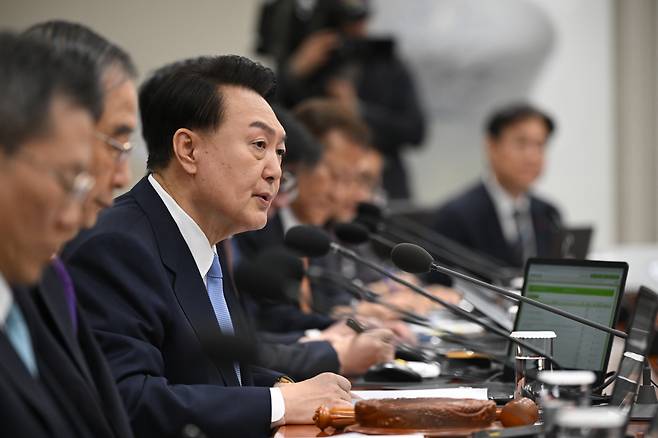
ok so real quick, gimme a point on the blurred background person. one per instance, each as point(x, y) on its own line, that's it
point(322, 48)
point(48, 104)
point(332, 346)
point(499, 215)
point(80, 360)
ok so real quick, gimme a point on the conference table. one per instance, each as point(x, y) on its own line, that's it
point(635, 429)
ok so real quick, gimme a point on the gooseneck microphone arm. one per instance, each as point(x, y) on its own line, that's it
point(406, 251)
point(364, 294)
point(405, 230)
point(455, 309)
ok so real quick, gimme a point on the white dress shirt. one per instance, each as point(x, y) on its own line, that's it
point(288, 219)
point(6, 300)
point(203, 252)
point(505, 206)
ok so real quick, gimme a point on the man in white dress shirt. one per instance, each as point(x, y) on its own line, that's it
point(153, 275)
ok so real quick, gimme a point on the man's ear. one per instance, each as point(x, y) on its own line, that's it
point(185, 143)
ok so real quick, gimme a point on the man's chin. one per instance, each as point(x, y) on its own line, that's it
point(255, 222)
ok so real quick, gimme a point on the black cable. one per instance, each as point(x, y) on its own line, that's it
point(611, 378)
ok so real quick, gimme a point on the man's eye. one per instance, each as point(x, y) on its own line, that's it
point(260, 144)
point(281, 152)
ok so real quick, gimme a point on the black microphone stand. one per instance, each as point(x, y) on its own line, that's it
point(516, 297)
point(455, 309)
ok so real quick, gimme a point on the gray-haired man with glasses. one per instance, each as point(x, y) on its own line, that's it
point(48, 104)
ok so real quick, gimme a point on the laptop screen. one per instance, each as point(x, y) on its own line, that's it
point(588, 289)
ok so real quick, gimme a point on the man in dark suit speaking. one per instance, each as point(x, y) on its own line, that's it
point(499, 215)
point(154, 281)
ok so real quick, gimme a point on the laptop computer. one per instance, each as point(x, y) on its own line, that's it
point(572, 243)
point(590, 289)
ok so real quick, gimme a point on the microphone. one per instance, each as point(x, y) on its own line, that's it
point(266, 279)
point(442, 247)
point(358, 291)
point(416, 260)
point(314, 242)
point(355, 233)
point(308, 241)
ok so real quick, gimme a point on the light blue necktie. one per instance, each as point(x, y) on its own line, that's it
point(19, 336)
point(216, 294)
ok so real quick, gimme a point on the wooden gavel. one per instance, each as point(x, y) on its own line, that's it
point(337, 417)
point(515, 413)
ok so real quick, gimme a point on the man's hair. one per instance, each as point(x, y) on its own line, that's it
point(510, 114)
point(66, 36)
point(32, 75)
point(301, 147)
point(187, 94)
point(321, 115)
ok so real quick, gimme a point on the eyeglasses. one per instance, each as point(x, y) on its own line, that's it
point(123, 149)
point(76, 188)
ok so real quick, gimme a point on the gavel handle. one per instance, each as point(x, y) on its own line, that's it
point(336, 417)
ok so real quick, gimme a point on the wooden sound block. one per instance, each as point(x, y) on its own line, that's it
point(442, 432)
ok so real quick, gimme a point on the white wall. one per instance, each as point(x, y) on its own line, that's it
point(577, 86)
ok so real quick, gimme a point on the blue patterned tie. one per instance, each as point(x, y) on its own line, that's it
point(216, 294)
point(19, 336)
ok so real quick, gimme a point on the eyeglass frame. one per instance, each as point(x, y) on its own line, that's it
point(76, 189)
point(123, 149)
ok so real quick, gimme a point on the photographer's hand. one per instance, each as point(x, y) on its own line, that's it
point(313, 53)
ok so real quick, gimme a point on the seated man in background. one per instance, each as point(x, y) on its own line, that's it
point(346, 141)
point(154, 278)
point(499, 215)
point(347, 353)
point(329, 190)
point(48, 104)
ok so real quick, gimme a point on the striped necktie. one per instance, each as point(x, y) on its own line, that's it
point(218, 301)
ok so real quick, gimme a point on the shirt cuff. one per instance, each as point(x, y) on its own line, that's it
point(278, 407)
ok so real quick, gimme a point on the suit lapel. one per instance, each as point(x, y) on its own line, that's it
point(188, 285)
point(51, 293)
point(27, 386)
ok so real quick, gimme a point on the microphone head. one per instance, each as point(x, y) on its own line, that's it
point(308, 240)
point(352, 233)
point(412, 258)
point(281, 259)
point(366, 209)
point(262, 283)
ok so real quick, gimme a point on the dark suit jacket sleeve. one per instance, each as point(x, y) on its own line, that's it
point(118, 283)
point(284, 318)
point(299, 361)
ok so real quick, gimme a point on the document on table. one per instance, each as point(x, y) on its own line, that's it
point(357, 435)
point(464, 392)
